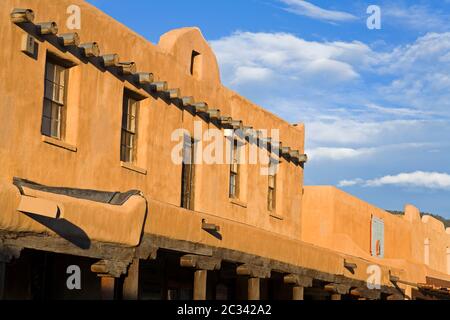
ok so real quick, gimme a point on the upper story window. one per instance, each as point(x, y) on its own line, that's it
point(188, 174)
point(271, 196)
point(128, 144)
point(234, 171)
point(54, 110)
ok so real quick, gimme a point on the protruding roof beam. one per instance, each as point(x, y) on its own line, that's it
point(187, 101)
point(69, 39)
point(90, 49)
point(337, 288)
point(237, 124)
point(213, 113)
point(286, 151)
point(253, 271)
point(173, 93)
point(19, 15)
point(44, 28)
point(160, 86)
point(294, 154)
point(200, 107)
point(200, 262)
point(145, 78)
point(276, 145)
point(298, 280)
point(225, 121)
point(127, 68)
point(110, 60)
point(297, 157)
point(266, 141)
point(303, 158)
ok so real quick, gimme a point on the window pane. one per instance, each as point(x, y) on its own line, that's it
point(271, 181)
point(60, 77)
point(48, 89)
point(46, 126)
point(54, 93)
point(50, 71)
point(232, 185)
point(47, 112)
point(270, 200)
point(55, 128)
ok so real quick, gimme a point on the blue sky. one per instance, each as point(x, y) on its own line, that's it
point(376, 103)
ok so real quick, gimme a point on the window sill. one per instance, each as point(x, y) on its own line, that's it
point(130, 166)
point(238, 203)
point(276, 216)
point(59, 143)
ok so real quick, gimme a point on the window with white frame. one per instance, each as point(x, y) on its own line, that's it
point(54, 109)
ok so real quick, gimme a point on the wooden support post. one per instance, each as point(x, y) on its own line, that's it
point(409, 293)
point(2, 279)
point(253, 288)
point(202, 264)
point(107, 287)
point(298, 293)
point(200, 277)
point(336, 296)
point(131, 282)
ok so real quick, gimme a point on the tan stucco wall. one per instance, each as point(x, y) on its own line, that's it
point(94, 120)
point(336, 225)
point(341, 222)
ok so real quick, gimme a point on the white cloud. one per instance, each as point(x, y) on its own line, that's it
point(415, 17)
point(429, 180)
point(331, 153)
point(349, 183)
point(304, 8)
point(342, 131)
point(285, 56)
point(251, 74)
point(338, 153)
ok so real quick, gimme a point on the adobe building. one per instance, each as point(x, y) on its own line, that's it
point(88, 184)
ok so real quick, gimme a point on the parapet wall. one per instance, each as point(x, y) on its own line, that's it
point(339, 221)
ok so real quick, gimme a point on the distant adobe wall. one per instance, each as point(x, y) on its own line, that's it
point(339, 221)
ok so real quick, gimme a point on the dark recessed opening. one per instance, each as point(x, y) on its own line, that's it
point(194, 59)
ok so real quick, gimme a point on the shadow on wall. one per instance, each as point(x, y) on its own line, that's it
point(65, 229)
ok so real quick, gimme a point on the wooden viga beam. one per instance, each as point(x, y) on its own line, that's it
point(372, 294)
point(69, 39)
point(225, 121)
point(160, 86)
point(187, 101)
point(286, 151)
point(249, 132)
point(253, 271)
point(237, 124)
point(127, 68)
point(173, 93)
point(144, 78)
point(298, 280)
point(337, 288)
point(200, 107)
point(19, 15)
point(47, 28)
point(266, 141)
point(90, 49)
point(110, 60)
point(200, 262)
point(213, 114)
point(297, 157)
